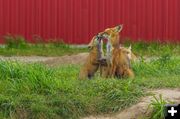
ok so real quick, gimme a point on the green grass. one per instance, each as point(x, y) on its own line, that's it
point(160, 73)
point(17, 45)
point(51, 49)
point(37, 91)
point(41, 50)
point(156, 107)
point(48, 92)
point(157, 104)
point(154, 48)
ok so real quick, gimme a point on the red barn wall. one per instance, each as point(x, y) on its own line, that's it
point(76, 21)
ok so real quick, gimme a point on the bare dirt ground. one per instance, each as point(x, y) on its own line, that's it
point(138, 110)
point(67, 59)
point(26, 59)
point(50, 61)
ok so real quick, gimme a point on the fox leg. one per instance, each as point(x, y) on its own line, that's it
point(104, 72)
point(118, 73)
point(112, 71)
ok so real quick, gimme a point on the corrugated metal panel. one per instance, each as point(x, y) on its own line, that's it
point(76, 21)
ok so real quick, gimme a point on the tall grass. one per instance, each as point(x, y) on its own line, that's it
point(16, 41)
point(158, 107)
point(37, 91)
point(34, 91)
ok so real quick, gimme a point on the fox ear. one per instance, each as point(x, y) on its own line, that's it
point(119, 28)
point(90, 45)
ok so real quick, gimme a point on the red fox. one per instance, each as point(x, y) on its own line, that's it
point(125, 71)
point(92, 63)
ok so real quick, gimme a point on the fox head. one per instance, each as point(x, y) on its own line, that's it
point(127, 51)
point(115, 29)
point(131, 56)
point(96, 40)
point(96, 46)
point(112, 34)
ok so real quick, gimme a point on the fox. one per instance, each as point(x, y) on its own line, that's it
point(92, 63)
point(125, 70)
point(112, 35)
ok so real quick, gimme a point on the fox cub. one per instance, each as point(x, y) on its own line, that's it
point(92, 63)
point(121, 67)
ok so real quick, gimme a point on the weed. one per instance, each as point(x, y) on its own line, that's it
point(16, 41)
point(157, 106)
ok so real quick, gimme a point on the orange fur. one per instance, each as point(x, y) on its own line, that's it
point(129, 53)
point(113, 34)
point(92, 64)
point(124, 72)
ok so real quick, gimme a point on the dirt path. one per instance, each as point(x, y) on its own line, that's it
point(52, 61)
point(26, 59)
point(140, 108)
point(67, 59)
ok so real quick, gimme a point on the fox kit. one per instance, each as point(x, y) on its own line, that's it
point(125, 70)
point(92, 63)
point(120, 64)
point(112, 35)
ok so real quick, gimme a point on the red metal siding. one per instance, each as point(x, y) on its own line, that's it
point(76, 21)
